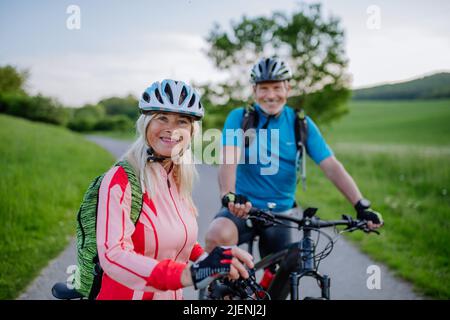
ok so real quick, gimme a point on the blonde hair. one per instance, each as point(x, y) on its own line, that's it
point(184, 171)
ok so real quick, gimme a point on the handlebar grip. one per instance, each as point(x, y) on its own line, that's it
point(225, 201)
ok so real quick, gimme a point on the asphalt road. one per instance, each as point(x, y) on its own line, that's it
point(348, 268)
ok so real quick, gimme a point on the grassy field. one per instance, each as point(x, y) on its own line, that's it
point(422, 123)
point(398, 153)
point(44, 173)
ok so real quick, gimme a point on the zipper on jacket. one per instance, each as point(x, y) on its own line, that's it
point(179, 215)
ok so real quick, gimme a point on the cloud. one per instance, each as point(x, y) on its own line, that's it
point(78, 77)
point(377, 55)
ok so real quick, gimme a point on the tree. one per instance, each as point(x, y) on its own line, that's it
point(126, 106)
point(312, 45)
point(86, 117)
point(114, 123)
point(12, 80)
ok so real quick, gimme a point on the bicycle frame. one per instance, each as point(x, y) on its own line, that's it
point(295, 262)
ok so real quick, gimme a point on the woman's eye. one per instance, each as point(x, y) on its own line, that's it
point(183, 122)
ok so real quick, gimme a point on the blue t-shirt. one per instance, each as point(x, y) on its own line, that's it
point(267, 170)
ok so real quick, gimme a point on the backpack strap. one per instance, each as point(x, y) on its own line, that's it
point(98, 275)
point(301, 132)
point(300, 128)
point(136, 191)
point(250, 120)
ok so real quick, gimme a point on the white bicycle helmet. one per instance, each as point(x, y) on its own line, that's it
point(270, 69)
point(172, 96)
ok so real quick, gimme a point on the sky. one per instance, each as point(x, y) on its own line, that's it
point(122, 47)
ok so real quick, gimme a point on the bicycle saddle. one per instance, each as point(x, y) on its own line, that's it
point(61, 291)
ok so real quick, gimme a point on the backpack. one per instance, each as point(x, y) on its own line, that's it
point(250, 120)
point(89, 273)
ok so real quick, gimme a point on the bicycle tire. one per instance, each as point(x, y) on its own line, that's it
point(279, 289)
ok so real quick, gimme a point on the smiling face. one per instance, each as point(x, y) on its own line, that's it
point(169, 133)
point(271, 96)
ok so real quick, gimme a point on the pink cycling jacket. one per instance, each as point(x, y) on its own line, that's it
point(144, 261)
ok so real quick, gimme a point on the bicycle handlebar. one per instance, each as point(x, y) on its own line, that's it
point(310, 222)
point(245, 288)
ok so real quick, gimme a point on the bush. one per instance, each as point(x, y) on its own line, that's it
point(121, 106)
point(82, 124)
point(86, 118)
point(114, 123)
point(36, 108)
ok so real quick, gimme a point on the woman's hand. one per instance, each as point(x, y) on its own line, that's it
point(222, 261)
point(241, 258)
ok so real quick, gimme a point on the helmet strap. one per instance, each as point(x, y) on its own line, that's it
point(152, 157)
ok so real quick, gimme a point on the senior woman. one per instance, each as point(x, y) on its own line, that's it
point(150, 259)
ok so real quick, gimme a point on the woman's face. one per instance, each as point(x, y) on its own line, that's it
point(169, 133)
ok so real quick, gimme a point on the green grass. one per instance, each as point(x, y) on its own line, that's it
point(405, 170)
point(394, 122)
point(44, 172)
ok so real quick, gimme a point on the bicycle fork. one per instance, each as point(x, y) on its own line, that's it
point(294, 280)
point(308, 268)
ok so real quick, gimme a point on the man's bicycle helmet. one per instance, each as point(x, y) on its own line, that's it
point(270, 69)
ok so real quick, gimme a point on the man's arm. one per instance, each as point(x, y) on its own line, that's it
point(227, 171)
point(227, 179)
point(336, 172)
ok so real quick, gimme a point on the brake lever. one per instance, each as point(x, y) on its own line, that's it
point(358, 225)
point(367, 230)
point(259, 219)
point(262, 216)
point(352, 223)
point(350, 229)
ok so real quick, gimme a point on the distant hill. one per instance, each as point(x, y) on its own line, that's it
point(430, 87)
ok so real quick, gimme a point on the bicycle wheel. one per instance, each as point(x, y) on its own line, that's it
point(202, 294)
point(279, 289)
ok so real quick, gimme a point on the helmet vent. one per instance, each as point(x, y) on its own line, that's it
point(273, 67)
point(183, 96)
point(146, 97)
point(192, 101)
point(158, 96)
point(168, 92)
